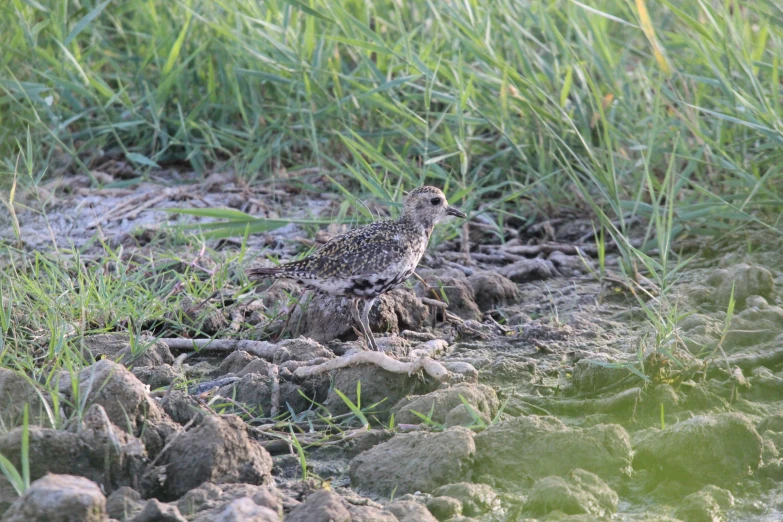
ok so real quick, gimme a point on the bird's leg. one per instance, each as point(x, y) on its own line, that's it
point(357, 319)
point(366, 323)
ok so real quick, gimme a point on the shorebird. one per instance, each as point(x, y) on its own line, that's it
point(370, 260)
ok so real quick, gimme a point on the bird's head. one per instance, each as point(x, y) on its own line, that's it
point(427, 205)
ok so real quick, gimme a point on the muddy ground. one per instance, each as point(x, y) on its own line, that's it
point(558, 401)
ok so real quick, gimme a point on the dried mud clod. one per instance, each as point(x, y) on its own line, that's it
point(97, 450)
point(580, 492)
point(217, 450)
point(59, 498)
point(717, 449)
point(127, 402)
point(439, 404)
point(417, 461)
point(528, 448)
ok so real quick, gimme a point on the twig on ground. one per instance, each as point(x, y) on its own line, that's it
point(433, 302)
point(261, 349)
point(272, 372)
point(433, 368)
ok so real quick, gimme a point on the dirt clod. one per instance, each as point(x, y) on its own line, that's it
point(126, 402)
point(410, 511)
point(15, 392)
point(245, 510)
point(579, 492)
point(217, 450)
point(321, 506)
point(156, 511)
point(124, 503)
point(715, 449)
point(744, 281)
point(699, 507)
point(475, 498)
point(442, 402)
point(415, 461)
point(327, 318)
point(444, 508)
point(59, 498)
point(493, 290)
point(99, 451)
point(535, 447)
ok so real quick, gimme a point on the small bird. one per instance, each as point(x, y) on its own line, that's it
point(370, 260)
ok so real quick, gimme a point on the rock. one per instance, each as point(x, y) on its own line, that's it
point(328, 317)
point(156, 511)
point(580, 492)
point(699, 507)
point(99, 451)
point(475, 498)
point(217, 450)
point(16, 390)
point(492, 290)
point(410, 511)
point(321, 506)
point(416, 461)
point(126, 402)
point(526, 270)
point(245, 510)
point(717, 449)
point(459, 295)
point(376, 385)
point(181, 407)
point(444, 508)
point(746, 280)
point(482, 399)
point(535, 447)
point(124, 503)
point(59, 498)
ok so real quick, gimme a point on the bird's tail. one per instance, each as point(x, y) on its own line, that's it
point(289, 270)
point(265, 273)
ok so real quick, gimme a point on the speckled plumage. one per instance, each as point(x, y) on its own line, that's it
point(372, 259)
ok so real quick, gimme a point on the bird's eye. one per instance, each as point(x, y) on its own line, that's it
point(435, 201)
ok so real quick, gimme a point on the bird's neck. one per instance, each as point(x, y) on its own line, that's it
point(417, 224)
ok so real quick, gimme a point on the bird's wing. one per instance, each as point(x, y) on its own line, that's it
point(366, 250)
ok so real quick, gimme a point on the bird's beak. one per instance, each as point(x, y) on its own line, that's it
point(451, 211)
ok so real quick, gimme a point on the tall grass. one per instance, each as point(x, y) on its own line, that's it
point(570, 103)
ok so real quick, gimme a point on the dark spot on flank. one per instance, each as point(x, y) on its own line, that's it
point(361, 284)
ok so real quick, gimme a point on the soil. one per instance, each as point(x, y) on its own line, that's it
point(560, 398)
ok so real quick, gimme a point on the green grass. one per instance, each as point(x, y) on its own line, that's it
point(567, 104)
